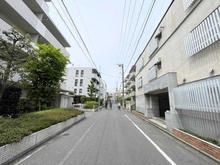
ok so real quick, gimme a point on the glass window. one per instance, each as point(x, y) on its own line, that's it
point(82, 73)
point(76, 82)
point(77, 73)
point(81, 82)
point(75, 91)
point(80, 90)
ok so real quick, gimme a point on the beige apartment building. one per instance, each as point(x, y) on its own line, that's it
point(178, 73)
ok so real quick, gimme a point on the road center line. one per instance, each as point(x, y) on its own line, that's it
point(152, 142)
point(75, 146)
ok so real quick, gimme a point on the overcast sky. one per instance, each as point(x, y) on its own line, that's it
point(110, 29)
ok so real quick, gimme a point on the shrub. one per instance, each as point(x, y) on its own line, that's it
point(83, 99)
point(90, 104)
point(25, 105)
point(9, 102)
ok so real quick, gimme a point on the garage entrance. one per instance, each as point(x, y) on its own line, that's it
point(164, 104)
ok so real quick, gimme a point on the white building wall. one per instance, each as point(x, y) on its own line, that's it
point(71, 78)
point(31, 21)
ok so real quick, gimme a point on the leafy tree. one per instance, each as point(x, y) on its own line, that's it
point(14, 50)
point(44, 74)
point(91, 90)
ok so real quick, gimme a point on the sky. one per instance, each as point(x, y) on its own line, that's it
point(113, 31)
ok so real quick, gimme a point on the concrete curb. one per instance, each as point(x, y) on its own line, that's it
point(166, 131)
point(11, 152)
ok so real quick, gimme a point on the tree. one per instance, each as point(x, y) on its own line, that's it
point(91, 90)
point(44, 74)
point(14, 50)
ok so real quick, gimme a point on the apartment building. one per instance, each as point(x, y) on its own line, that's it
point(78, 79)
point(178, 73)
point(130, 88)
point(32, 17)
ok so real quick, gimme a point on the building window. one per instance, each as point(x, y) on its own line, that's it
point(76, 82)
point(139, 82)
point(80, 91)
point(77, 73)
point(75, 91)
point(81, 82)
point(82, 73)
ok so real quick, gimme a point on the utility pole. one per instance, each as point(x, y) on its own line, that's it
point(122, 68)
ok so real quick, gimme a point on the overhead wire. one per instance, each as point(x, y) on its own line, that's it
point(124, 36)
point(144, 26)
point(89, 59)
point(135, 29)
point(122, 26)
point(130, 26)
point(70, 31)
point(79, 34)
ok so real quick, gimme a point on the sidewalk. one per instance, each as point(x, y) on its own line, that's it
point(161, 124)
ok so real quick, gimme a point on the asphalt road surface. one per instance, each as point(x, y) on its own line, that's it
point(113, 137)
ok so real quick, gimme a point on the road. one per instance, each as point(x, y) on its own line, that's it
point(113, 137)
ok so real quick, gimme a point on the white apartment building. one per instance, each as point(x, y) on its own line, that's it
point(32, 17)
point(78, 78)
point(178, 73)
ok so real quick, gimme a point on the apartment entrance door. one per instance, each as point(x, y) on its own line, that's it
point(164, 104)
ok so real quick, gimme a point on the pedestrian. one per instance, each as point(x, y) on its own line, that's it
point(119, 105)
point(106, 104)
point(110, 104)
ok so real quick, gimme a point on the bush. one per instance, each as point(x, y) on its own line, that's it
point(90, 104)
point(9, 102)
point(83, 99)
point(25, 105)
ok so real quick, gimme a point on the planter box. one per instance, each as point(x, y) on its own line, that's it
point(200, 144)
point(10, 152)
point(139, 114)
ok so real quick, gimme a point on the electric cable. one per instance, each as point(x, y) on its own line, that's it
point(71, 32)
point(147, 18)
point(79, 34)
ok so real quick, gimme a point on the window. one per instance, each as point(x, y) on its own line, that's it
point(139, 82)
point(75, 91)
point(82, 73)
point(81, 82)
point(80, 91)
point(77, 73)
point(76, 82)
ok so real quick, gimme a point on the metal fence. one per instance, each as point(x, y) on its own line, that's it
point(198, 107)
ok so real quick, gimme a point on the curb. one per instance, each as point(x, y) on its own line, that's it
point(166, 131)
point(10, 152)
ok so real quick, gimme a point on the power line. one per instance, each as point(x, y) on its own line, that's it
point(135, 28)
point(79, 33)
point(70, 32)
point(124, 36)
point(129, 27)
point(122, 29)
point(147, 18)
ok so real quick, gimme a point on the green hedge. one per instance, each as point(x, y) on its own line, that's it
point(90, 104)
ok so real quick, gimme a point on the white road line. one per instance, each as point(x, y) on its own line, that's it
point(75, 146)
point(154, 144)
point(29, 156)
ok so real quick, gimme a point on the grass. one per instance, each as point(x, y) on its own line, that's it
point(13, 130)
point(215, 142)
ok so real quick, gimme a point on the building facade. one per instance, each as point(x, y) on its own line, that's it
point(178, 73)
point(130, 88)
point(78, 78)
point(32, 17)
